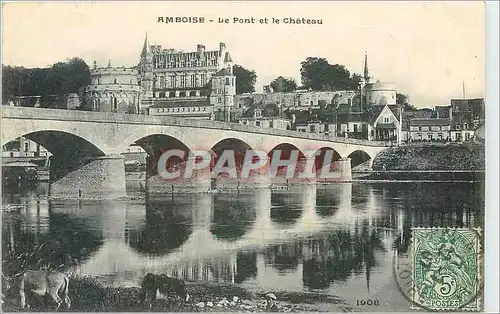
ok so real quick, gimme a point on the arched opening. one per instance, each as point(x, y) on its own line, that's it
point(289, 152)
point(233, 150)
point(192, 93)
point(171, 94)
point(360, 160)
point(182, 94)
point(325, 161)
point(161, 95)
point(68, 152)
point(152, 148)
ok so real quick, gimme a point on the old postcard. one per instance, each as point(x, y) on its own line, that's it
point(243, 157)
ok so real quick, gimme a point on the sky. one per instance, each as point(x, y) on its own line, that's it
point(429, 49)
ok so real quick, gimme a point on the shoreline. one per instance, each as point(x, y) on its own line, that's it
point(87, 295)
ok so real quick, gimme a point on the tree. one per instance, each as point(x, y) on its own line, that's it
point(402, 99)
point(245, 79)
point(61, 78)
point(282, 84)
point(317, 74)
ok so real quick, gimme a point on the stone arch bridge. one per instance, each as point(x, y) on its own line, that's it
point(86, 146)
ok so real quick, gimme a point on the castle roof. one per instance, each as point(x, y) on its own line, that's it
point(227, 57)
point(146, 48)
point(223, 72)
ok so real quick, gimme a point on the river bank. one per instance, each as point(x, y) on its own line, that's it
point(89, 296)
point(426, 157)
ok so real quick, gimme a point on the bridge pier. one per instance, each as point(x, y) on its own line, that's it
point(343, 167)
point(102, 178)
point(198, 182)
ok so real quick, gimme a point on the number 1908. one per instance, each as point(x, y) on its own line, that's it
point(368, 302)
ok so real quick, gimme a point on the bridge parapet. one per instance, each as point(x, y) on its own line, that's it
point(117, 118)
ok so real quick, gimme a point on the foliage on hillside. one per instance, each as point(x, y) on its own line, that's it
point(469, 156)
point(61, 78)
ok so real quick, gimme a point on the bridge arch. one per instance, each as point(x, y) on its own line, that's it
point(286, 154)
point(138, 134)
point(359, 157)
point(238, 146)
point(55, 140)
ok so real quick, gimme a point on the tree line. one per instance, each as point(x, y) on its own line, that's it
point(61, 78)
point(73, 75)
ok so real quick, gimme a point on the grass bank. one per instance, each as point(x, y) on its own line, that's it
point(89, 296)
point(450, 157)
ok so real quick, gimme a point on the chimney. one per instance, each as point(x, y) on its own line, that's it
point(222, 49)
point(200, 49)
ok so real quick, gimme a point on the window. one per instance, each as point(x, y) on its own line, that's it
point(183, 81)
point(182, 94)
point(171, 94)
point(355, 128)
point(313, 128)
point(26, 146)
point(162, 82)
point(219, 100)
point(387, 120)
point(114, 104)
point(349, 101)
point(227, 80)
point(440, 136)
point(257, 123)
point(193, 80)
point(467, 136)
point(131, 82)
point(457, 126)
point(429, 137)
point(115, 81)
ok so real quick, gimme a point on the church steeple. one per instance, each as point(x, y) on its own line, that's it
point(146, 48)
point(366, 74)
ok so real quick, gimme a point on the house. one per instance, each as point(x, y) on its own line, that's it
point(432, 129)
point(384, 123)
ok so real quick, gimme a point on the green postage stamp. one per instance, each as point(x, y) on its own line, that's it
point(446, 269)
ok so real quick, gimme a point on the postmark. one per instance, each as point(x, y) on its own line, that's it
point(446, 270)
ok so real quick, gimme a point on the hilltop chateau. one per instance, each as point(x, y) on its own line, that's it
point(167, 81)
point(201, 85)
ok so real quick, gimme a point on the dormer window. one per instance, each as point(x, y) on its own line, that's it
point(257, 113)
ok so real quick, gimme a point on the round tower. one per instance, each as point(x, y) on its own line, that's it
point(113, 89)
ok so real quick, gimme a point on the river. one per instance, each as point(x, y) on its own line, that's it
point(339, 239)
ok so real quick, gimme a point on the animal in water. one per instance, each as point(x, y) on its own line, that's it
point(168, 286)
point(37, 283)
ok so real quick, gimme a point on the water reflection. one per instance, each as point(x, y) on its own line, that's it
point(339, 238)
point(168, 225)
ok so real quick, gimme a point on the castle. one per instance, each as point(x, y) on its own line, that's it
point(196, 84)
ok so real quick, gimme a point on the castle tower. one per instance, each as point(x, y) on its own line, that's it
point(146, 75)
point(223, 92)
